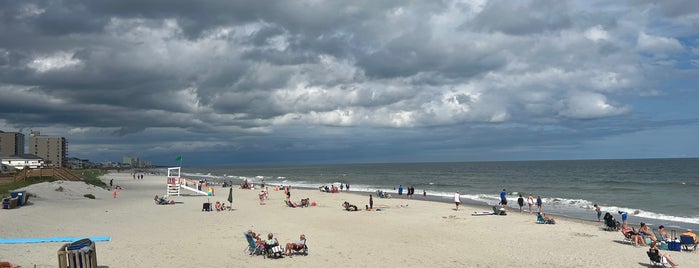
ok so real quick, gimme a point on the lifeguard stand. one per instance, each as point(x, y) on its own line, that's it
point(173, 181)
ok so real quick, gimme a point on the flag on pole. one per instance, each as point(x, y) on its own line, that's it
point(179, 158)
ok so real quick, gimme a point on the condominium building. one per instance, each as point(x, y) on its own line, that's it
point(11, 143)
point(51, 149)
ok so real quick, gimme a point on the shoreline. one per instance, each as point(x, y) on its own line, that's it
point(653, 223)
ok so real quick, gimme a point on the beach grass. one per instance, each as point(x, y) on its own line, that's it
point(92, 176)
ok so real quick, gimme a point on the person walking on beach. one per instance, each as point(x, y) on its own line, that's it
point(599, 212)
point(400, 189)
point(624, 216)
point(371, 202)
point(347, 187)
point(111, 182)
point(503, 199)
point(538, 202)
point(520, 202)
point(530, 201)
point(457, 200)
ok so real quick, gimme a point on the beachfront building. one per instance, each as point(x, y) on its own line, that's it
point(134, 162)
point(11, 143)
point(52, 149)
point(22, 161)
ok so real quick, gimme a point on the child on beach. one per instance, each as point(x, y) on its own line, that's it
point(599, 212)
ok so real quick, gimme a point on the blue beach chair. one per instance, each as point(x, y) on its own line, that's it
point(253, 248)
point(688, 243)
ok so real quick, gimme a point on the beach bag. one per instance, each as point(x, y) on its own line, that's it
point(663, 245)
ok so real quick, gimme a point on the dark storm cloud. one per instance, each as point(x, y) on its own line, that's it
point(522, 18)
point(330, 80)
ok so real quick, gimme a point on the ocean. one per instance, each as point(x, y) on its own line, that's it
point(655, 191)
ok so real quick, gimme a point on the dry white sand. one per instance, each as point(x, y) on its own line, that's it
point(406, 233)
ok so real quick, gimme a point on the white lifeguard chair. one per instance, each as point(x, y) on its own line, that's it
point(173, 181)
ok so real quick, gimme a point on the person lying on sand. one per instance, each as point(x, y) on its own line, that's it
point(349, 207)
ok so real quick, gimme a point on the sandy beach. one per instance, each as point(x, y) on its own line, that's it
point(407, 233)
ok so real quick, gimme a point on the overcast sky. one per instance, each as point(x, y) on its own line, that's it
point(283, 82)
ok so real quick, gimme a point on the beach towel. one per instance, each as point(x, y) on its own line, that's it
point(49, 239)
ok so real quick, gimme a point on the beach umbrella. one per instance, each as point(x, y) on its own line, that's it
point(230, 196)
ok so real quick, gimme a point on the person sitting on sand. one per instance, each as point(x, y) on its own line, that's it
point(270, 244)
point(349, 207)
point(256, 237)
point(665, 258)
point(663, 233)
point(296, 246)
point(218, 206)
point(547, 219)
point(645, 231)
point(305, 202)
point(631, 234)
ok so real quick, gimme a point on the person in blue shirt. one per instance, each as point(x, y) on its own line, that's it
point(400, 189)
point(503, 199)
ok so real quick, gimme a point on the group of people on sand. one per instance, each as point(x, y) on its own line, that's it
point(638, 238)
point(273, 248)
point(221, 206)
point(334, 189)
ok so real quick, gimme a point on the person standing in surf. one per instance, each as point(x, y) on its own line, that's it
point(400, 189)
point(538, 202)
point(503, 199)
point(530, 201)
point(457, 200)
point(520, 202)
point(599, 212)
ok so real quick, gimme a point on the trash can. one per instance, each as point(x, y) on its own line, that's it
point(79, 254)
point(21, 197)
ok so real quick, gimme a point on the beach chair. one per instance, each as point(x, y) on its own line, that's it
point(540, 219)
point(303, 251)
point(661, 239)
point(655, 259)
point(628, 236)
point(79, 254)
point(253, 248)
point(274, 251)
point(688, 243)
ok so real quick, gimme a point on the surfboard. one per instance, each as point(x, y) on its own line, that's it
point(481, 213)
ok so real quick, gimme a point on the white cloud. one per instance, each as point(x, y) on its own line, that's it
point(597, 33)
point(657, 44)
point(56, 61)
point(588, 105)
